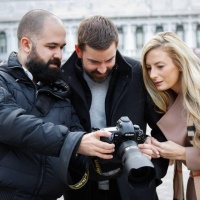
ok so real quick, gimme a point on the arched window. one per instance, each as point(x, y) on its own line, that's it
point(198, 36)
point(3, 42)
point(139, 37)
point(180, 32)
point(159, 29)
point(121, 38)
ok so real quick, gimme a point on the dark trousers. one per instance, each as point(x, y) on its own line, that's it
point(120, 191)
point(91, 192)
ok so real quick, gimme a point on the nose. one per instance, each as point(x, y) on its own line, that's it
point(58, 54)
point(102, 68)
point(153, 73)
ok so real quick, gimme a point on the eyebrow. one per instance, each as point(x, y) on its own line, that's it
point(158, 62)
point(155, 63)
point(55, 43)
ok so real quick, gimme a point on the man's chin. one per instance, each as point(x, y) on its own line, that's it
point(99, 80)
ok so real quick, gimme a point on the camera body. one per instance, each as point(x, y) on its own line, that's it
point(124, 131)
point(137, 168)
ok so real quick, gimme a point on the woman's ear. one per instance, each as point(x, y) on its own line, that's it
point(78, 51)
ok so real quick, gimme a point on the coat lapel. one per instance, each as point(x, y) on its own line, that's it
point(174, 123)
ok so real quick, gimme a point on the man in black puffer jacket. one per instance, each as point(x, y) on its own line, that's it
point(40, 134)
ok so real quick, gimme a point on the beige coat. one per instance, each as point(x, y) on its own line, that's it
point(174, 126)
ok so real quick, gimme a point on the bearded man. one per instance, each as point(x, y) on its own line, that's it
point(37, 119)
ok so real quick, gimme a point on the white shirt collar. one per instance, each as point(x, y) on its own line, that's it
point(28, 73)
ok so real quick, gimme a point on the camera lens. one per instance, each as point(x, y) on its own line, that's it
point(136, 166)
point(141, 174)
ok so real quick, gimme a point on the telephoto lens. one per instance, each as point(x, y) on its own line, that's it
point(137, 168)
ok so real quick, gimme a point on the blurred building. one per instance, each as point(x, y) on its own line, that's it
point(136, 20)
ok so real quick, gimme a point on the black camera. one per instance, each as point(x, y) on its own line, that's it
point(138, 169)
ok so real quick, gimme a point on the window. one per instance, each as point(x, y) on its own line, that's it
point(3, 42)
point(139, 37)
point(180, 32)
point(198, 36)
point(121, 38)
point(159, 29)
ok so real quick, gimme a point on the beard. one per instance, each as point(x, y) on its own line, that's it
point(97, 77)
point(41, 71)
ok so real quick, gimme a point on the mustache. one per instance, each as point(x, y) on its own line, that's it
point(55, 61)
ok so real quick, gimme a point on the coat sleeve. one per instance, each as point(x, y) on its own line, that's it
point(193, 158)
point(21, 130)
point(26, 131)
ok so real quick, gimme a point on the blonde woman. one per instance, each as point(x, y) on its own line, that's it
point(171, 73)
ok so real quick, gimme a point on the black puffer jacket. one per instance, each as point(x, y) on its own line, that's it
point(30, 147)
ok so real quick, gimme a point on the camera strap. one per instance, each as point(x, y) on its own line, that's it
point(98, 169)
point(82, 182)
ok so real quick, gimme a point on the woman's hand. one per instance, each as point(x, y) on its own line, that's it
point(148, 149)
point(170, 150)
point(91, 145)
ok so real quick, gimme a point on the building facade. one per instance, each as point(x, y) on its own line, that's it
point(136, 20)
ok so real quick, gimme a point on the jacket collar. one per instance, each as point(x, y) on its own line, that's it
point(14, 68)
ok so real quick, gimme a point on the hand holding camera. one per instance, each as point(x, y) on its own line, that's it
point(137, 168)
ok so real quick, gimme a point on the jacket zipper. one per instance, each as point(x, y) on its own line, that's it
point(42, 172)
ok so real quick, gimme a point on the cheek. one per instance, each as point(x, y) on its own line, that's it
point(89, 67)
point(46, 55)
point(111, 65)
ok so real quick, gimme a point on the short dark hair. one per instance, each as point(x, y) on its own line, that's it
point(98, 32)
point(32, 23)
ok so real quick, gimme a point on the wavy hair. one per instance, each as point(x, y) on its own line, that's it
point(184, 58)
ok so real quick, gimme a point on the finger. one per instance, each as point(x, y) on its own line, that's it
point(151, 147)
point(155, 155)
point(144, 146)
point(149, 157)
point(155, 150)
point(102, 133)
point(105, 151)
point(148, 140)
point(105, 145)
point(104, 156)
point(148, 152)
point(156, 143)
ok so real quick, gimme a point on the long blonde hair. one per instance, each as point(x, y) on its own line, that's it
point(184, 58)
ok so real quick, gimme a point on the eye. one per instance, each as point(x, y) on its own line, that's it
point(148, 68)
point(110, 60)
point(62, 48)
point(51, 47)
point(93, 62)
point(160, 66)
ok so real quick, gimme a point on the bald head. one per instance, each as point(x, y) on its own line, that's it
point(32, 23)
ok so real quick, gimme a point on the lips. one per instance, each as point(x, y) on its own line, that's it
point(158, 83)
point(56, 62)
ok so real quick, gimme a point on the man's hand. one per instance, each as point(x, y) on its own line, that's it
point(92, 146)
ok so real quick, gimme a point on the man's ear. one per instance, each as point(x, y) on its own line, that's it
point(78, 51)
point(26, 44)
